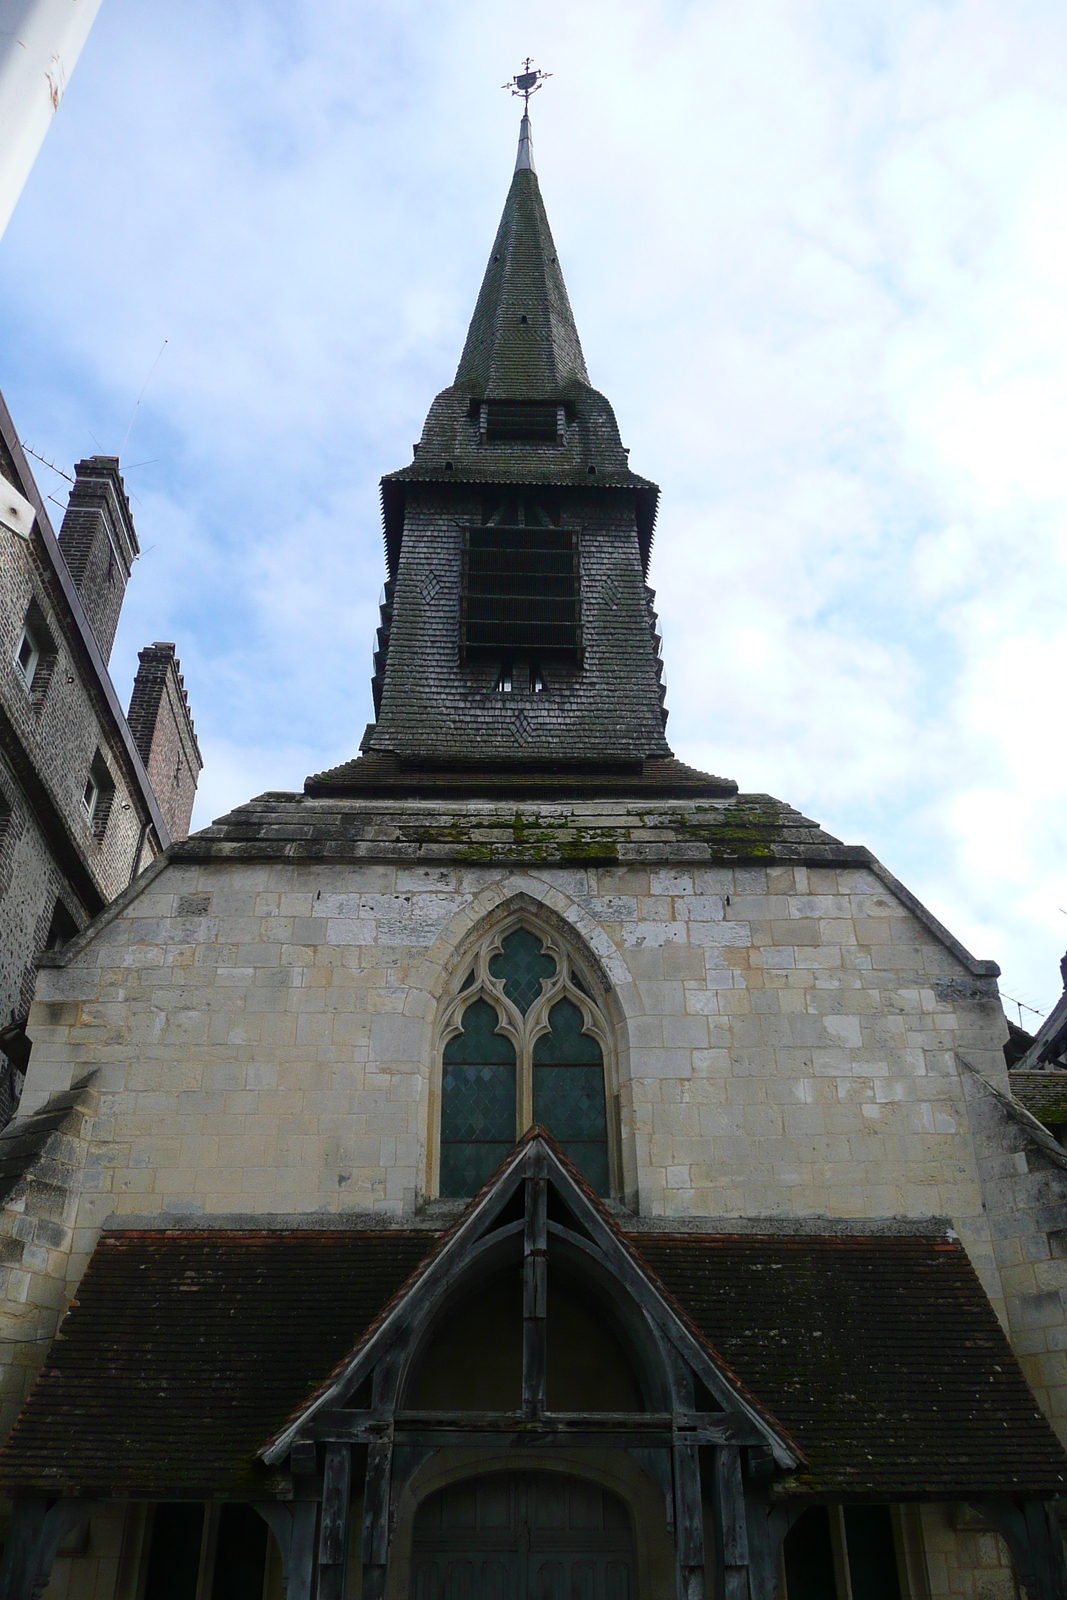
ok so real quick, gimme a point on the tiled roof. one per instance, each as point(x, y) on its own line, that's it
point(185, 1351)
point(1042, 1092)
point(881, 1356)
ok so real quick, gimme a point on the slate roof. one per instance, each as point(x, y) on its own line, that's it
point(506, 357)
point(184, 1351)
point(382, 774)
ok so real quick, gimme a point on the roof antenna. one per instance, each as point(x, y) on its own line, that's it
point(140, 397)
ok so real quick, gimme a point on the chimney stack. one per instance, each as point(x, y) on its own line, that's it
point(99, 543)
point(162, 729)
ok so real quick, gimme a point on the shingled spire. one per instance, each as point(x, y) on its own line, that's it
point(522, 343)
point(518, 644)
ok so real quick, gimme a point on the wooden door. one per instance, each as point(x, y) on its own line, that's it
point(529, 1536)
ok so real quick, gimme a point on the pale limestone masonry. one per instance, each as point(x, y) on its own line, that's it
point(42, 1158)
point(783, 1055)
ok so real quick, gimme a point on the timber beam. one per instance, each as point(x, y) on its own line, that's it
point(594, 1430)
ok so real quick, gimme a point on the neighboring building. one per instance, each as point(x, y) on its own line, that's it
point(1038, 1067)
point(87, 799)
point(520, 1165)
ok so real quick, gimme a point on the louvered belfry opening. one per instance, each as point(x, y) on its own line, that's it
point(521, 421)
point(521, 591)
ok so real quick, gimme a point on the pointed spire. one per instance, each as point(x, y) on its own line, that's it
point(524, 161)
point(522, 343)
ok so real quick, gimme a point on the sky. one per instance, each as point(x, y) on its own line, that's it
point(817, 254)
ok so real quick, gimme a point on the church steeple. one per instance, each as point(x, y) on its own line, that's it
point(522, 343)
point(518, 647)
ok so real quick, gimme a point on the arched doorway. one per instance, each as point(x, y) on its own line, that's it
point(523, 1536)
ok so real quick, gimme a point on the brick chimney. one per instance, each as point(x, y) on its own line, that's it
point(99, 542)
point(162, 729)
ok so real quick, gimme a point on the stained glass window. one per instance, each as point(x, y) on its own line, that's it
point(477, 1102)
point(568, 1092)
point(520, 964)
point(491, 1089)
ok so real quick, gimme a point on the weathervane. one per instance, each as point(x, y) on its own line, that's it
point(526, 83)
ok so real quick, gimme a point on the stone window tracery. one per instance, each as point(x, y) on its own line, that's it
point(522, 1042)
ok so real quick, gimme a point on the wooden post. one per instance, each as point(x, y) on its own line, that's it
point(302, 1550)
point(766, 1525)
point(279, 1519)
point(333, 1527)
point(688, 1521)
point(375, 1543)
point(535, 1288)
point(732, 1530)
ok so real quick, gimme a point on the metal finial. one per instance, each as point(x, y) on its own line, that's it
point(526, 82)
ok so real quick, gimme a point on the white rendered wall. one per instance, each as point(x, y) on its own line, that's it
point(40, 40)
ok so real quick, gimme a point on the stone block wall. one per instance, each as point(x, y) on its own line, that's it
point(37, 1218)
point(786, 1038)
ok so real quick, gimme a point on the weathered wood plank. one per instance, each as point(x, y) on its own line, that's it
point(688, 1521)
point(302, 1550)
point(535, 1287)
point(336, 1494)
point(732, 1531)
point(375, 1540)
point(365, 1427)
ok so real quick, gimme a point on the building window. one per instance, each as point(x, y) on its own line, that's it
point(35, 653)
point(523, 1043)
point(97, 795)
point(521, 589)
point(28, 655)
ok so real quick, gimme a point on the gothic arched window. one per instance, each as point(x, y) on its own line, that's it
point(523, 1042)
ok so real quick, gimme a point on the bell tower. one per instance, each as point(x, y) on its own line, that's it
point(518, 646)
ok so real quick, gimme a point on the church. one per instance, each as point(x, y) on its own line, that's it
point(521, 1165)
